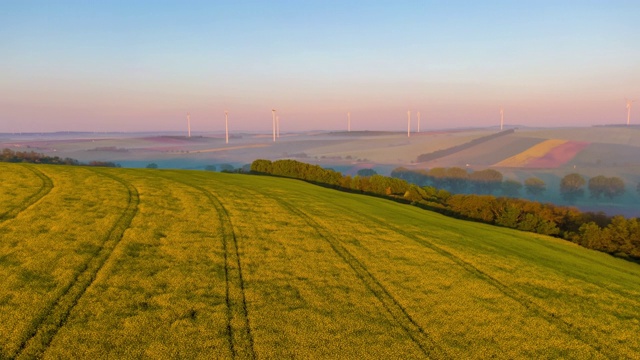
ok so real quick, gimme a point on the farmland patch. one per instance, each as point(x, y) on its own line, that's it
point(230, 266)
point(551, 153)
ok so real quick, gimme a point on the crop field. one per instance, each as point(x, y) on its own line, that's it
point(137, 263)
point(532, 153)
point(558, 156)
point(548, 154)
point(487, 153)
point(394, 148)
point(621, 135)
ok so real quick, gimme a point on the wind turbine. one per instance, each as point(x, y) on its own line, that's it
point(409, 123)
point(501, 118)
point(273, 114)
point(226, 126)
point(349, 121)
point(189, 124)
point(418, 121)
point(629, 102)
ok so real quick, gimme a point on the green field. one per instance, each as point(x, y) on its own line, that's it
point(123, 263)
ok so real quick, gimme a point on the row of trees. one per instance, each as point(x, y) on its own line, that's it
point(619, 236)
point(595, 231)
point(572, 186)
point(460, 181)
point(298, 170)
point(490, 181)
point(8, 155)
point(228, 168)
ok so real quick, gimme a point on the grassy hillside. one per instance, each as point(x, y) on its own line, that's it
point(148, 263)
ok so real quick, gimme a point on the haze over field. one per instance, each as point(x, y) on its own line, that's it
point(396, 179)
point(164, 264)
point(549, 154)
point(141, 66)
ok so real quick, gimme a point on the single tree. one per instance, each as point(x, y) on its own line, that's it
point(571, 187)
point(152, 166)
point(609, 187)
point(534, 186)
point(597, 186)
point(486, 181)
point(615, 187)
point(456, 179)
point(511, 188)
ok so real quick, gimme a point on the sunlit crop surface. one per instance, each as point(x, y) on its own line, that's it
point(116, 263)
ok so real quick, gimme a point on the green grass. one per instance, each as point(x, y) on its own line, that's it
point(126, 263)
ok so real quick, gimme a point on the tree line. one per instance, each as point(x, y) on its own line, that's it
point(614, 235)
point(8, 155)
point(490, 181)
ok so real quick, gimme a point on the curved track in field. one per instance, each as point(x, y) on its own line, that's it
point(240, 339)
point(47, 186)
point(560, 323)
point(45, 326)
point(416, 332)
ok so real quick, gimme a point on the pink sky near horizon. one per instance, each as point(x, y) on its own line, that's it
point(143, 66)
point(141, 111)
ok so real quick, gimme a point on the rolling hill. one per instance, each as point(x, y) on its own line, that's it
point(131, 263)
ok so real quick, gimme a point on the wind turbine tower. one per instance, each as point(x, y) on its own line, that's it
point(226, 126)
point(349, 121)
point(409, 123)
point(418, 121)
point(629, 102)
point(501, 118)
point(273, 115)
point(188, 124)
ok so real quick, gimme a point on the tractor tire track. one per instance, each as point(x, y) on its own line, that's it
point(45, 326)
point(47, 186)
point(417, 333)
point(563, 325)
point(238, 326)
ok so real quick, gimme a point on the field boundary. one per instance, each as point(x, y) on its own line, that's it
point(45, 326)
point(417, 333)
point(240, 338)
point(47, 186)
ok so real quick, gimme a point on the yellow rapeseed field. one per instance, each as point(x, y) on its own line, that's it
point(46, 246)
point(123, 263)
point(534, 152)
point(21, 187)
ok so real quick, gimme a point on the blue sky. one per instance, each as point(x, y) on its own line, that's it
point(131, 66)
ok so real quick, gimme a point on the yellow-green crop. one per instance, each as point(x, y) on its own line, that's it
point(122, 263)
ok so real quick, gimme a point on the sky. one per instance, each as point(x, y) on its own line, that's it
point(142, 65)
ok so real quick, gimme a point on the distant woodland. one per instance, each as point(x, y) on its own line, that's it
point(436, 190)
point(33, 157)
